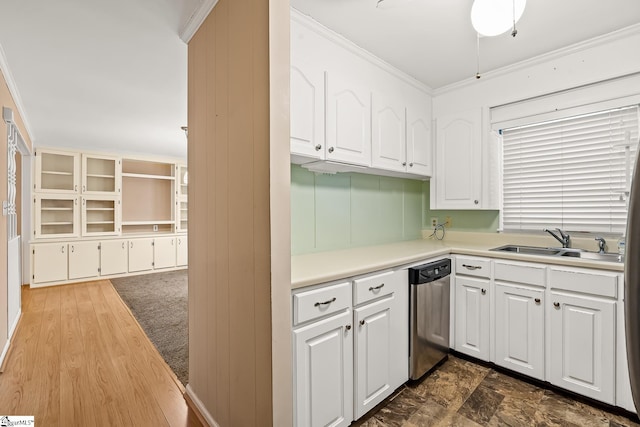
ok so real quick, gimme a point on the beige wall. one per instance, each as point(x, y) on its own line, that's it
point(6, 100)
point(230, 364)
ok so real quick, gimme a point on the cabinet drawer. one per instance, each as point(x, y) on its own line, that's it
point(584, 281)
point(468, 266)
point(309, 305)
point(519, 273)
point(369, 288)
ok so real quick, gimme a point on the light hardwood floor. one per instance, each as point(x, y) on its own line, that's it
point(79, 358)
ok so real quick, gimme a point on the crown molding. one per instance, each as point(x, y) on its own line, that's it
point(13, 90)
point(545, 57)
point(347, 44)
point(196, 19)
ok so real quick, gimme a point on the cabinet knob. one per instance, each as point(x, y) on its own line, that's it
point(556, 304)
point(75, 187)
point(331, 149)
point(537, 300)
point(404, 163)
point(475, 202)
point(410, 165)
point(62, 247)
point(122, 245)
point(362, 322)
point(84, 188)
point(348, 327)
point(484, 291)
point(318, 147)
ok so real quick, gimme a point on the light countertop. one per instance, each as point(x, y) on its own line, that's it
point(321, 267)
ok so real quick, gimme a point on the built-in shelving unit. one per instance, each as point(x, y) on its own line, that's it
point(181, 199)
point(101, 174)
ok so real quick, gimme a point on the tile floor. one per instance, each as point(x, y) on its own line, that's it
point(462, 393)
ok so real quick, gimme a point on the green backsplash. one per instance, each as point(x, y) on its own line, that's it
point(351, 209)
point(484, 221)
point(345, 210)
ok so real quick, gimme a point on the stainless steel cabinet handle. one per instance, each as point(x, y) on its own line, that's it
point(331, 149)
point(84, 188)
point(318, 304)
point(62, 249)
point(73, 249)
point(362, 322)
point(375, 288)
point(472, 267)
point(318, 147)
point(122, 245)
point(348, 327)
point(484, 291)
point(75, 187)
point(537, 300)
point(556, 304)
point(131, 243)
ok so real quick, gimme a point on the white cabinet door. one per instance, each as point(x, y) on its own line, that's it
point(84, 260)
point(100, 215)
point(388, 140)
point(519, 324)
point(419, 135)
point(323, 372)
point(140, 254)
point(458, 177)
point(56, 216)
point(182, 251)
point(348, 119)
point(472, 319)
point(373, 354)
point(57, 171)
point(307, 110)
point(582, 345)
point(114, 256)
point(101, 174)
point(164, 252)
point(49, 262)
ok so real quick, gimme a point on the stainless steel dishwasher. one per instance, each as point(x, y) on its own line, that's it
point(428, 316)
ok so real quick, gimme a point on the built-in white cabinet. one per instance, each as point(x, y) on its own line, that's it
point(182, 200)
point(84, 260)
point(182, 250)
point(100, 215)
point(101, 175)
point(472, 322)
point(457, 182)
point(140, 254)
point(164, 252)
point(57, 171)
point(307, 109)
point(56, 216)
point(49, 262)
point(389, 137)
point(114, 257)
point(419, 145)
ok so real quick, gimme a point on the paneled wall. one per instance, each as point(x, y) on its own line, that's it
point(351, 209)
point(230, 374)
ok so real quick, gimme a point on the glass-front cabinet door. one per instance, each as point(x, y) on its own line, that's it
point(57, 171)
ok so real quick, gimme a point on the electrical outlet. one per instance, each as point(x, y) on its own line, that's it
point(434, 221)
point(448, 222)
point(155, 227)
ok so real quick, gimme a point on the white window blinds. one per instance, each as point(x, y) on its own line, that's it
point(570, 173)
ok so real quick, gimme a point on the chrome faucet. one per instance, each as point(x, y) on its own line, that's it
point(563, 237)
point(601, 244)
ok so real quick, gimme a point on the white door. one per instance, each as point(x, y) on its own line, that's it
point(472, 332)
point(113, 257)
point(323, 372)
point(140, 255)
point(182, 251)
point(164, 252)
point(520, 329)
point(419, 136)
point(84, 260)
point(373, 354)
point(388, 140)
point(49, 262)
point(348, 120)
point(458, 172)
point(582, 345)
point(307, 109)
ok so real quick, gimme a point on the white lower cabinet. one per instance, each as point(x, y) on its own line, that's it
point(140, 254)
point(582, 345)
point(519, 321)
point(49, 262)
point(114, 257)
point(84, 260)
point(472, 317)
point(164, 252)
point(324, 372)
point(182, 251)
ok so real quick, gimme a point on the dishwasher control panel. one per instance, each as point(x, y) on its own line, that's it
point(429, 272)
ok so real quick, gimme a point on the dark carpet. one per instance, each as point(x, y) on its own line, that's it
point(158, 301)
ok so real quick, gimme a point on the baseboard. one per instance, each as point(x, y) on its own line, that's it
point(4, 357)
point(198, 407)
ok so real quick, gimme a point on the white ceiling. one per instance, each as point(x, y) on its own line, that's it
point(112, 75)
point(433, 40)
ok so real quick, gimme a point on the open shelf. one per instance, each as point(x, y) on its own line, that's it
point(146, 176)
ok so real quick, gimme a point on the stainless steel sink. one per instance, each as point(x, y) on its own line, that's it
point(564, 252)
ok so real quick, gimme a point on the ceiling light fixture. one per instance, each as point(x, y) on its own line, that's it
point(494, 17)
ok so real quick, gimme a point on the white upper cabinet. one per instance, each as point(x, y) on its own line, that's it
point(389, 131)
point(101, 174)
point(458, 179)
point(57, 171)
point(419, 135)
point(348, 119)
point(307, 109)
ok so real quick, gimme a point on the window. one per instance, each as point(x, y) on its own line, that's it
point(570, 173)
